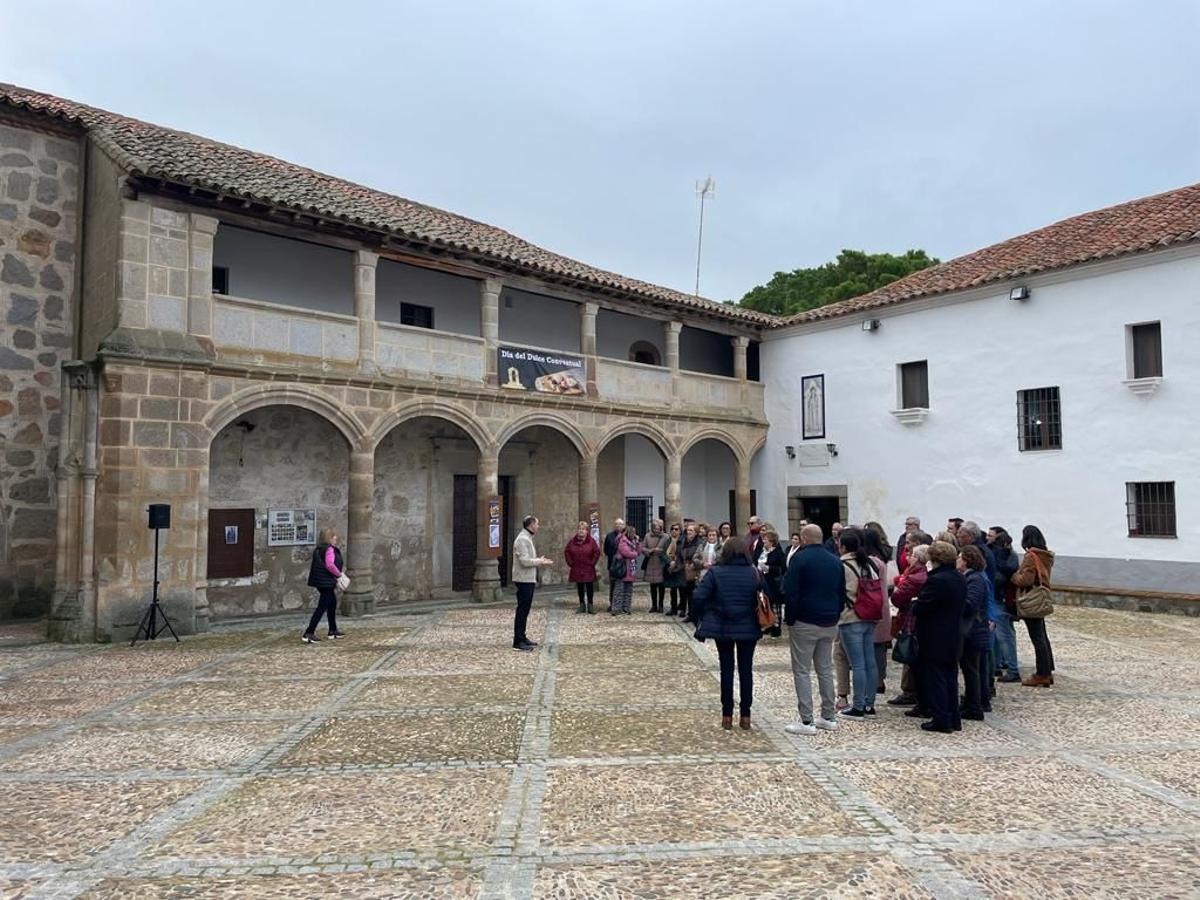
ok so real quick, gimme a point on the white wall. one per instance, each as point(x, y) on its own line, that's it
point(963, 460)
point(616, 333)
point(455, 300)
point(534, 320)
point(280, 270)
point(707, 475)
point(645, 471)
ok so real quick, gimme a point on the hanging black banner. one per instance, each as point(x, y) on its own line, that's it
point(546, 372)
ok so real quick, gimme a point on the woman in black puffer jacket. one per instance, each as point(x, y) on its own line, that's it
point(724, 606)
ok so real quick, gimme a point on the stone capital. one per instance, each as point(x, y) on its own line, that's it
point(204, 224)
point(366, 258)
point(674, 327)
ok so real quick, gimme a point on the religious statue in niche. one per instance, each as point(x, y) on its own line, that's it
point(812, 411)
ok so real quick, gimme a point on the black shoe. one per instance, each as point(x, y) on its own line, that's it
point(334, 635)
point(581, 609)
point(529, 642)
point(673, 612)
point(987, 709)
point(591, 611)
point(851, 713)
point(1010, 678)
point(973, 716)
point(525, 648)
point(310, 639)
point(882, 689)
point(903, 700)
point(870, 711)
point(917, 713)
point(940, 729)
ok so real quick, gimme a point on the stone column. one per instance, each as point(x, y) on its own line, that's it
point(485, 587)
point(741, 495)
point(86, 626)
point(201, 616)
point(671, 339)
point(200, 264)
point(364, 307)
point(674, 488)
point(360, 598)
point(489, 326)
point(740, 343)
point(589, 489)
point(587, 343)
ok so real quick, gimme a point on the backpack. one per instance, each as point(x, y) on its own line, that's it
point(868, 598)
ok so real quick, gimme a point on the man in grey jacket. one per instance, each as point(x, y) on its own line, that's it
point(526, 563)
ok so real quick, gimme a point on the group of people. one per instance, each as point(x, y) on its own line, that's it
point(942, 604)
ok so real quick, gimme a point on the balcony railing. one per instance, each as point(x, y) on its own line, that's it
point(254, 325)
point(631, 382)
point(427, 355)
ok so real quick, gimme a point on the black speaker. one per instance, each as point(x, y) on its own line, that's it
point(160, 515)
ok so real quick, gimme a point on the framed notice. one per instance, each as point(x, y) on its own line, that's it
point(812, 406)
point(494, 512)
point(291, 527)
point(593, 520)
point(546, 372)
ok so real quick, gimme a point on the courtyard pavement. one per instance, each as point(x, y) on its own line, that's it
point(422, 757)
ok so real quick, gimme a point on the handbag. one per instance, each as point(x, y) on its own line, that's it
point(1036, 602)
point(343, 582)
point(764, 613)
point(905, 649)
point(618, 568)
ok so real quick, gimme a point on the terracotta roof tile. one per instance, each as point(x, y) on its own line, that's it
point(180, 157)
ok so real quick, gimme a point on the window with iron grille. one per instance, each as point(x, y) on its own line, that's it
point(637, 513)
point(1146, 349)
point(1039, 419)
point(414, 314)
point(1150, 508)
point(914, 385)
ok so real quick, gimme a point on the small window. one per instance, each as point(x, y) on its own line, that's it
point(1150, 508)
point(416, 315)
point(1145, 344)
point(220, 280)
point(1039, 419)
point(645, 353)
point(914, 385)
point(637, 513)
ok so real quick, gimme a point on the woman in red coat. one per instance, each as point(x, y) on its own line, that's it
point(581, 554)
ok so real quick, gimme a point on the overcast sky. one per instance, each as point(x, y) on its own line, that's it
point(583, 126)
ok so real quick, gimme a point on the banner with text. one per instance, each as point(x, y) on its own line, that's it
point(546, 372)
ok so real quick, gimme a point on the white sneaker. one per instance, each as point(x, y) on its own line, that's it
point(800, 727)
point(825, 724)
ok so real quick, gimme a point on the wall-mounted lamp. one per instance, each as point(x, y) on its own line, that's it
point(1021, 292)
point(790, 451)
point(832, 448)
point(870, 325)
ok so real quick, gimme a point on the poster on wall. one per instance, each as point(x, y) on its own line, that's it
point(495, 509)
point(593, 520)
point(812, 414)
point(291, 527)
point(546, 372)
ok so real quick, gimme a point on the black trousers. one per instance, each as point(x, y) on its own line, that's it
point(685, 598)
point(658, 593)
point(524, 602)
point(940, 678)
point(675, 599)
point(745, 671)
point(971, 663)
point(1043, 653)
point(326, 603)
point(586, 590)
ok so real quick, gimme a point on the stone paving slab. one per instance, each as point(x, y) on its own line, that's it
point(210, 697)
point(586, 733)
point(1178, 770)
point(58, 701)
point(128, 664)
point(324, 659)
point(467, 660)
point(589, 658)
point(1101, 722)
point(435, 691)
point(636, 687)
point(400, 884)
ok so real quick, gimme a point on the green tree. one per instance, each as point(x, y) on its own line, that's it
point(852, 274)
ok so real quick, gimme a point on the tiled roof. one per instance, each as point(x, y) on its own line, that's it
point(1150, 223)
point(175, 156)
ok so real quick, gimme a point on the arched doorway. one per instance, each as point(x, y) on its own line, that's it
point(277, 475)
point(631, 477)
point(707, 482)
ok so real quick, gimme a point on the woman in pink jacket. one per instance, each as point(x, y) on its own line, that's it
point(628, 549)
point(908, 586)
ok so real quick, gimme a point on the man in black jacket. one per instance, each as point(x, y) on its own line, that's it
point(610, 551)
point(814, 591)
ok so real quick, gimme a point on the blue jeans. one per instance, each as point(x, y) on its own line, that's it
point(858, 640)
point(1004, 640)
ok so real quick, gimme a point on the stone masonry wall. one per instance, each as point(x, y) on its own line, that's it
point(39, 191)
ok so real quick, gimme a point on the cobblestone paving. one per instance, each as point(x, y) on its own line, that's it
point(422, 757)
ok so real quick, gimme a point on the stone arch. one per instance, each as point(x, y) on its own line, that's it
point(434, 409)
point(563, 426)
point(652, 433)
point(297, 395)
point(759, 443)
point(713, 434)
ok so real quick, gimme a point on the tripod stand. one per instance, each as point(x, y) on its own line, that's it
point(149, 624)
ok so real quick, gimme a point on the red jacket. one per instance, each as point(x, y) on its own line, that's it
point(581, 556)
point(908, 586)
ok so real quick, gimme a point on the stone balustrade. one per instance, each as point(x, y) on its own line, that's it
point(632, 382)
point(253, 325)
point(425, 354)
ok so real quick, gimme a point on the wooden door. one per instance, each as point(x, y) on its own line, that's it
point(230, 543)
point(822, 511)
point(466, 533)
point(506, 529)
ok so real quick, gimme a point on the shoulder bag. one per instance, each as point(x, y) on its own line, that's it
point(762, 607)
point(1036, 602)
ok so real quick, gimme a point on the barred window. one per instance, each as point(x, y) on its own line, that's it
point(1039, 419)
point(914, 385)
point(1150, 508)
point(1146, 346)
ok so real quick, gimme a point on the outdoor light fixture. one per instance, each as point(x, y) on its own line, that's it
point(790, 451)
point(1019, 293)
point(832, 448)
point(870, 324)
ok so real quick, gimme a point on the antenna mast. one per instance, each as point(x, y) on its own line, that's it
point(704, 189)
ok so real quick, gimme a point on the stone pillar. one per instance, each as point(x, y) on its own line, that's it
point(86, 625)
point(741, 495)
point(133, 259)
point(587, 343)
point(201, 616)
point(489, 326)
point(360, 598)
point(671, 339)
point(200, 263)
point(485, 587)
point(364, 308)
point(740, 343)
point(674, 488)
point(589, 489)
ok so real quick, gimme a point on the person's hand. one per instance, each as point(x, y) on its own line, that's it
point(547, 561)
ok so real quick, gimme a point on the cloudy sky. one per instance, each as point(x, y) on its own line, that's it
point(583, 126)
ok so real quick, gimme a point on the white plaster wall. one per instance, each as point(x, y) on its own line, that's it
point(455, 300)
point(266, 267)
point(535, 320)
point(645, 470)
point(616, 333)
point(707, 476)
point(963, 460)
